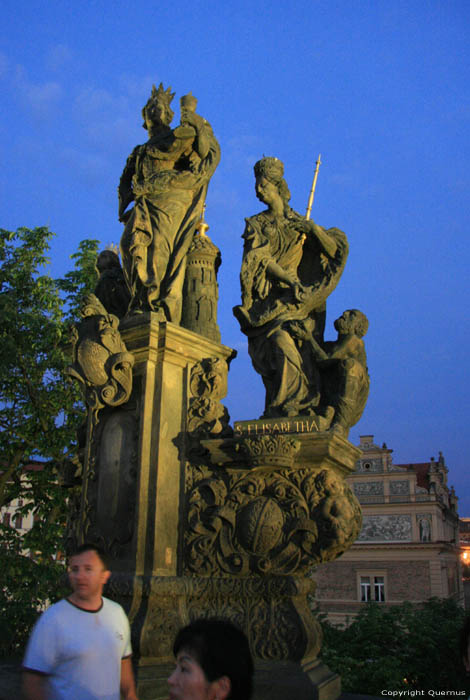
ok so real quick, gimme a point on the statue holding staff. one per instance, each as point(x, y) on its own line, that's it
point(167, 180)
point(290, 266)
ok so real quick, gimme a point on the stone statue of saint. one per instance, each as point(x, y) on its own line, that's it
point(424, 530)
point(167, 180)
point(111, 288)
point(342, 366)
point(290, 266)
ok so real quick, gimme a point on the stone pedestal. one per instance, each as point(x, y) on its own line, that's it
point(274, 612)
point(201, 520)
point(164, 356)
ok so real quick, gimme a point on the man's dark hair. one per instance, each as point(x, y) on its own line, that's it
point(88, 547)
point(221, 649)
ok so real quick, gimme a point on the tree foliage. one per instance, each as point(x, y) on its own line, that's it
point(39, 415)
point(404, 647)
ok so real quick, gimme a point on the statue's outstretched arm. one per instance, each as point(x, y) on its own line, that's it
point(274, 270)
point(326, 241)
point(347, 346)
point(299, 330)
point(277, 272)
point(205, 140)
point(125, 193)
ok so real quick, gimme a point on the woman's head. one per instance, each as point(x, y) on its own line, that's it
point(157, 111)
point(213, 662)
point(273, 170)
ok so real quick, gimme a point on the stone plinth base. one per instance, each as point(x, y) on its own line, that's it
point(273, 611)
point(274, 680)
point(327, 684)
point(152, 681)
point(278, 680)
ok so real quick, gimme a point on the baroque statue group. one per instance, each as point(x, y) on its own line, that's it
point(200, 518)
point(290, 266)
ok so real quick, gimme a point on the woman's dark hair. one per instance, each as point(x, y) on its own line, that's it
point(221, 649)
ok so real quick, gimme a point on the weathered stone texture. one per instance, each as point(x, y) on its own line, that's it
point(406, 580)
point(409, 580)
point(337, 576)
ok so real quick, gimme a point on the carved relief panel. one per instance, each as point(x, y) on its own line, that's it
point(275, 521)
point(386, 528)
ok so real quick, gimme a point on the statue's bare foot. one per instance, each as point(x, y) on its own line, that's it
point(339, 430)
point(324, 421)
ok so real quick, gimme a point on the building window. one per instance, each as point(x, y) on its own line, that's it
point(372, 587)
point(379, 589)
point(365, 589)
point(18, 522)
point(6, 519)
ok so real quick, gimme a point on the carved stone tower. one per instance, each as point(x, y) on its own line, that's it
point(200, 291)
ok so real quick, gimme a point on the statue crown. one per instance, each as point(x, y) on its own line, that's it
point(272, 168)
point(161, 95)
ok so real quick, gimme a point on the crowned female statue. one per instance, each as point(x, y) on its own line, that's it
point(290, 266)
point(167, 180)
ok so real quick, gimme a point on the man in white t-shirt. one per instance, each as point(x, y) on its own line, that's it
point(80, 648)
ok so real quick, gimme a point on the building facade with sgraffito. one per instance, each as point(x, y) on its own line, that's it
point(408, 547)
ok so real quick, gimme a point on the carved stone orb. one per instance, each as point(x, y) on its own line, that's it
point(259, 525)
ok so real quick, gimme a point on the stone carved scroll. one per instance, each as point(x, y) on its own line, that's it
point(101, 361)
point(103, 367)
point(208, 385)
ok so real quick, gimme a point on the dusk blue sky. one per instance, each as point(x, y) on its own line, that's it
point(381, 89)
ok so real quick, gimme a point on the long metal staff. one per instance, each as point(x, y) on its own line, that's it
point(314, 184)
